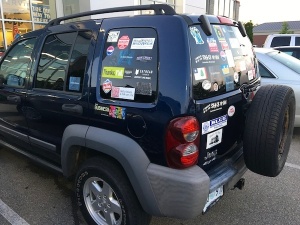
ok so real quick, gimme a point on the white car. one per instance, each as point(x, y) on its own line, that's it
point(276, 67)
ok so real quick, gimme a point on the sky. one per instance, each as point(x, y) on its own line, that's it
point(262, 11)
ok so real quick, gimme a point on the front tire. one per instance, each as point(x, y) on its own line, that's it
point(269, 128)
point(105, 196)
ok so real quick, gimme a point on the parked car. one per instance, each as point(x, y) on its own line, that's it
point(290, 50)
point(151, 115)
point(274, 40)
point(278, 68)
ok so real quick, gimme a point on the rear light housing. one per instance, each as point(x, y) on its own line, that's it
point(182, 141)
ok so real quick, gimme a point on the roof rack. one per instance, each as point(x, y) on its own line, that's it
point(159, 9)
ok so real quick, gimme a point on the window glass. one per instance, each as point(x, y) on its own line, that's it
point(16, 10)
point(17, 63)
point(15, 29)
point(41, 12)
point(129, 66)
point(78, 62)
point(221, 62)
point(287, 60)
point(54, 61)
point(297, 41)
point(281, 41)
point(264, 72)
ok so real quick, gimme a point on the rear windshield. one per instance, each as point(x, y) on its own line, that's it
point(221, 62)
point(286, 60)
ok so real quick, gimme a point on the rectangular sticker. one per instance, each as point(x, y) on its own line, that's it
point(123, 93)
point(113, 72)
point(214, 138)
point(229, 57)
point(200, 73)
point(113, 36)
point(74, 84)
point(214, 124)
point(142, 43)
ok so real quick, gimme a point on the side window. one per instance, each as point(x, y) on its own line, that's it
point(17, 63)
point(281, 41)
point(129, 66)
point(61, 66)
point(264, 72)
point(297, 41)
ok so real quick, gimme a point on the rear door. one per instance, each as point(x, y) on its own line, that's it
point(221, 64)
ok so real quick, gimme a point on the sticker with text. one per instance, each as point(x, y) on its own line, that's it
point(113, 36)
point(122, 93)
point(142, 43)
point(113, 72)
point(214, 124)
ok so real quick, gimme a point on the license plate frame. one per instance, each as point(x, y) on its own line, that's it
point(213, 197)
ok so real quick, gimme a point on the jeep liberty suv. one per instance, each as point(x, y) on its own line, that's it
point(155, 114)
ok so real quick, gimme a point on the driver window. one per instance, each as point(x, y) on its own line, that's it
point(17, 63)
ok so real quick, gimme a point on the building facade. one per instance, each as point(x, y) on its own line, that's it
point(21, 16)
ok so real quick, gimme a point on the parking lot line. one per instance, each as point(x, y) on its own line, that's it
point(292, 165)
point(10, 215)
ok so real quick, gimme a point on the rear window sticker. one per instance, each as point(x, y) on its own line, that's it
point(103, 110)
point(229, 83)
point(143, 74)
point(106, 86)
point(200, 73)
point(113, 36)
point(219, 33)
point(229, 57)
point(242, 65)
point(144, 58)
point(215, 106)
point(207, 58)
point(206, 85)
point(215, 86)
point(117, 112)
point(225, 69)
point(231, 111)
point(214, 138)
point(125, 57)
point(214, 124)
point(142, 43)
point(223, 55)
point(196, 35)
point(110, 50)
point(212, 44)
point(236, 77)
point(215, 71)
point(250, 75)
point(74, 84)
point(128, 73)
point(224, 45)
point(113, 72)
point(234, 43)
point(123, 93)
point(143, 88)
point(123, 42)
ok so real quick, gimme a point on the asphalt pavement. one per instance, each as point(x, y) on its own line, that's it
point(33, 195)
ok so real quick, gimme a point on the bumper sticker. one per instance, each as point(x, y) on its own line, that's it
point(214, 138)
point(214, 124)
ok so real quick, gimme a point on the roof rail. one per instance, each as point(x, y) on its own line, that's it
point(159, 9)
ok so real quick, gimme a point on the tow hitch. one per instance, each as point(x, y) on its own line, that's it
point(240, 184)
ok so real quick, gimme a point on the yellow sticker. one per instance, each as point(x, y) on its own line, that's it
point(113, 72)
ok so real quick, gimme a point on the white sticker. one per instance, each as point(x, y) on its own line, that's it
point(214, 124)
point(200, 73)
point(242, 66)
point(113, 36)
point(250, 75)
point(142, 43)
point(123, 93)
point(230, 59)
point(231, 111)
point(236, 77)
point(214, 138)
point(234, 43)
point(206, 84)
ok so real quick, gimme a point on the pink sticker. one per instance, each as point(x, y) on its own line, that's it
point(123, 42)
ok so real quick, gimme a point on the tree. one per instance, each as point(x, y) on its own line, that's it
point(249, 30)
point(285, 29)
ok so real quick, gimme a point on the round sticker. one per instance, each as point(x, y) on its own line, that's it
point(123, 42)
point(206, 84)
point(107, 86)
point(231, 111)
point(236, 77)
point(223, 55)
point(216, 86)
point(110, 50)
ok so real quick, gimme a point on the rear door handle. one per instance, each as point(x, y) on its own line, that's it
point(72, 108)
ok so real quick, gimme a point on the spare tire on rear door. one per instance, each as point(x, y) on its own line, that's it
point(269, 128)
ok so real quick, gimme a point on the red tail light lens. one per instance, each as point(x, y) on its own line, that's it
point(182, 142)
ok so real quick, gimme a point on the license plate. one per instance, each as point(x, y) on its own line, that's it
point(212, 198)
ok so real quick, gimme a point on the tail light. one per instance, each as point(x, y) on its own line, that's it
point(182, 141)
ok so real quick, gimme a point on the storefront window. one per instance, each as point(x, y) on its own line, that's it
point(16, 10)
point(13, 29)
point(38, 26)
point(2, 44)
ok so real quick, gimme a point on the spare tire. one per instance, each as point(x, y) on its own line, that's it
point(268, 129)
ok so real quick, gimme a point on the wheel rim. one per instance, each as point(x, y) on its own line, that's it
point(284, 133)
point(102, 202)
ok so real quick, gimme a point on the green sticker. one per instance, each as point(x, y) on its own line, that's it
point(113, 72)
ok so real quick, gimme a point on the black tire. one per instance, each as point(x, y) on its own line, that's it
point(269, 128)
point(112, 195)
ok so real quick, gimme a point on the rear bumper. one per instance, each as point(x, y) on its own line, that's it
point(183, 193)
